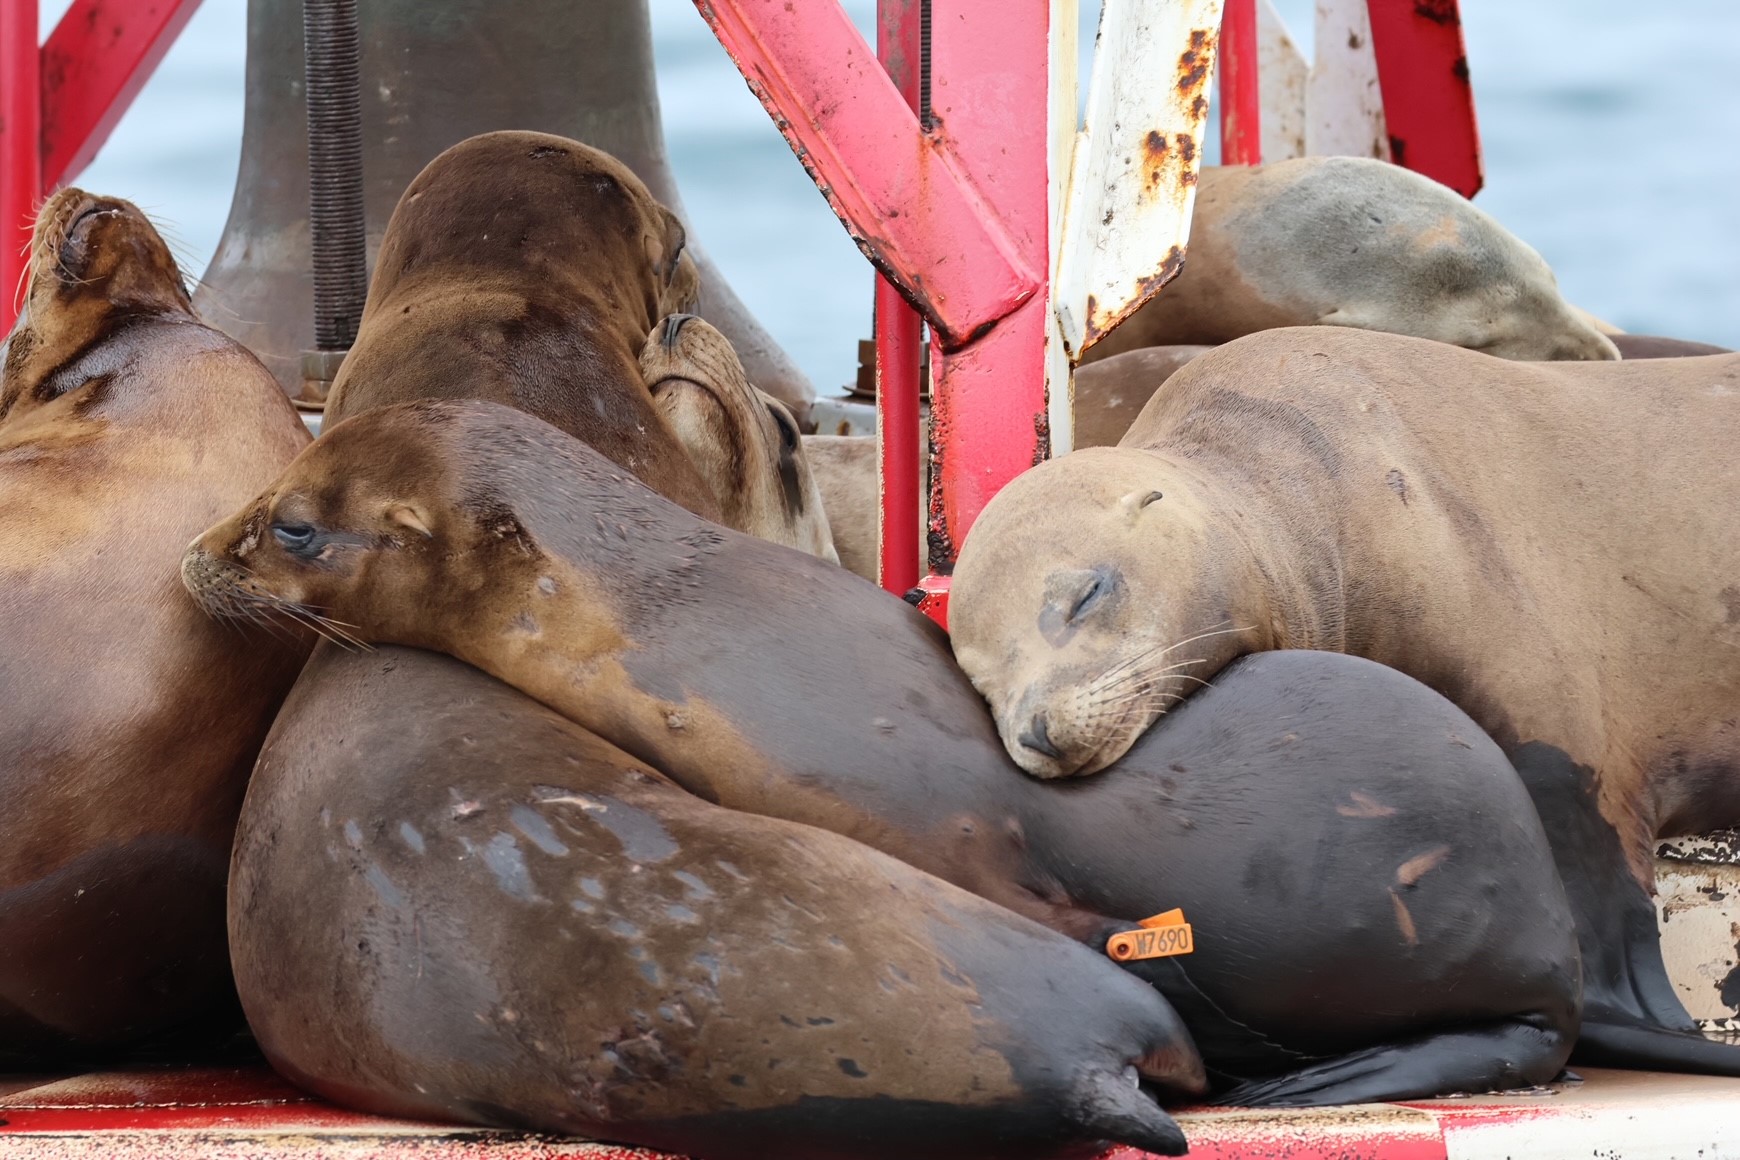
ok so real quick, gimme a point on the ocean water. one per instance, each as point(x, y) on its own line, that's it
point(1611, 133)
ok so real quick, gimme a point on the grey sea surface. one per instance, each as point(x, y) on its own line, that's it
point(1610, 133)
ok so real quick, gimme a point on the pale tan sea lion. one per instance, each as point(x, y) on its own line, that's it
point(1108, 397)
point(1552, 546)
point(129, 724)
point(1350, 241)
point(744, 441)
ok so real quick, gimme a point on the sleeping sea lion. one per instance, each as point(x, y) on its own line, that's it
point(481, 532)
point(499, 918)
point(1108, 397)
point(1553, 547)
point(129, 723)
point(744, 441)
point(1355, 242)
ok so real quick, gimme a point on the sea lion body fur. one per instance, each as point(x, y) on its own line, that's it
point(129, 724)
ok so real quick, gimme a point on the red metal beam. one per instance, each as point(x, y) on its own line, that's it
point(899, 343)
point(20, 163)
point(1428, 101)
point(989, 64)
point(902, 194)
point(1241, 107)
point(101, 54)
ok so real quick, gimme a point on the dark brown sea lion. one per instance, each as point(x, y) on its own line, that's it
point(745, 442)
point(129, 723)
point(1554, 547)
point(1374, 934)
point(1349, 241)
point(528, 269)
point(499, 918)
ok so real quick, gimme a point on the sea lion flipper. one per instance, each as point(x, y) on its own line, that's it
point(1603, 1044)
point(1112, 1108)
point(1515, 1053)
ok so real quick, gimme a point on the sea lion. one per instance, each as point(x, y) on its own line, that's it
point(1108, 397)
point(1551, 546)
point(1110, 393)
point(744, 441)
point(499, 918)
point(130, 724)
point(481, 532)
point(528, 269)
point(1350, 241)
point(845, 471)
point(1654, 346)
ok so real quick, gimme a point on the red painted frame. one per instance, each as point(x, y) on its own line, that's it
point(899, 340)
point(1428, 101)
point(1241, 108)
point(60, 101)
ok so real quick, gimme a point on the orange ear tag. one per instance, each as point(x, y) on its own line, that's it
point(1161, 937)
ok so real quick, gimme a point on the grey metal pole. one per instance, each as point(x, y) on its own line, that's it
point(433, 72)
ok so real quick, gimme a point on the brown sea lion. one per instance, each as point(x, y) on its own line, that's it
point(744, 441)
point(1553, 547)
point(1108, 397)
point(499, 918)
point(528, 269)
point(1350, 241)
point(129, 723)
point(482, 532)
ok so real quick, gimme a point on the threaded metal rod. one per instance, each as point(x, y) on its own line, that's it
point(925, 120)
point(335, 185)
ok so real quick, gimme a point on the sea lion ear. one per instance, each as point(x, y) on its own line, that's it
point(1134, 502)
point(410, 517)
point(666, 251)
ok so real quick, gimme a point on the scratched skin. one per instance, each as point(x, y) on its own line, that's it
point(500, 918)
point(1432, 953)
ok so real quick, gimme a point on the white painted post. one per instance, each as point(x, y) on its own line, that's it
point(1133, 179)
point(1344, 106)
point(1285, 74)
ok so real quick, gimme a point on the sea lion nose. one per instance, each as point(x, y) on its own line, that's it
point(673, 327)
point(1038, 738)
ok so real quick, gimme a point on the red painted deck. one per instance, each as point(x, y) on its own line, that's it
point(194, 1114)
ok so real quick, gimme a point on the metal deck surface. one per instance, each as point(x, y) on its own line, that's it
point(243, 1113)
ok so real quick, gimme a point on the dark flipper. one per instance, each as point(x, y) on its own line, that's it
point(1655, 1049)
point(1492, 1058)
point(1631, 1015)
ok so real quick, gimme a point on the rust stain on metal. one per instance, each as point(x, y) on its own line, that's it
point(1187, 150)
point(940, 547)
point(1195, 61)
point(1041, 438)
point(1440, 12)
point(1101, 323)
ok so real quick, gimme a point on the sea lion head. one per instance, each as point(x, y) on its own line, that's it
point(548, 211)
point(1093, 592)
point(96, 264)
point(381, 523)
point(744, 441)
